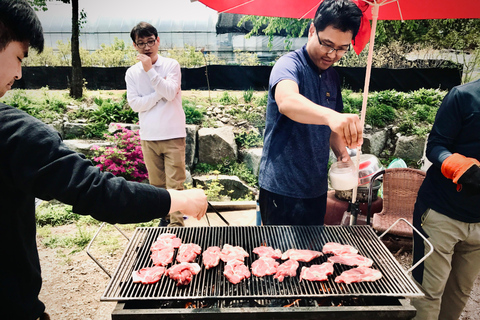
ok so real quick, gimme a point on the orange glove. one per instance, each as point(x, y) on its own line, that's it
point(456, 165)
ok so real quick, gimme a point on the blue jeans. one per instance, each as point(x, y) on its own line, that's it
point(282, 210)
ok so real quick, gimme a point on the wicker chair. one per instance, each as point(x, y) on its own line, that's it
point(400, 188)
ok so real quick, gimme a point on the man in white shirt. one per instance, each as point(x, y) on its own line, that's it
point(153, 90)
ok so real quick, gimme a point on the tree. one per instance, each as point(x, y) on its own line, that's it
point(76, 82)
point(270, 26)
point(459, 34)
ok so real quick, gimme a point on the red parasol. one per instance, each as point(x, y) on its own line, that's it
point(410, 9)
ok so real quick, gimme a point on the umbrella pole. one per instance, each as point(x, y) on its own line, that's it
point(375, 10)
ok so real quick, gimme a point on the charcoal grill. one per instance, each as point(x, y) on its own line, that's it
point(210, 287)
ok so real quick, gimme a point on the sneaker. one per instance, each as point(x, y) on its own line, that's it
point(163, 222)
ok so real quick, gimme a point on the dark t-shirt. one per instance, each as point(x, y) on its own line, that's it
point(35, 163)
point(295, 155)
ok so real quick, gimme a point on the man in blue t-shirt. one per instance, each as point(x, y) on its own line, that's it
point(304, 120)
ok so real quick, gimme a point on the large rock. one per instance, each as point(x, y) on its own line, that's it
point(233, 187)
point(409, 147)
point(251, 157)
point(216, 144)
point(73, 129)
point(191, 145)
point(85, 146)
point(374, 143)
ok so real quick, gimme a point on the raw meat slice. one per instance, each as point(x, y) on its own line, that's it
point(359, 274)
point(338, 249)
point(230, 252)
point(301, 255)
point(162, 257)
point(188, 252)
point(317, 272)
point(264, 267)
point(351, 260)
point(148, 275)
point(183, 273)
point(236, 271)
point(211, 257)
point(166, 240)
point(286, 269)
point(268, 252)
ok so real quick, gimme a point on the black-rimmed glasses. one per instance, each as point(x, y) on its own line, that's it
point(142, 45)
point(329, 49)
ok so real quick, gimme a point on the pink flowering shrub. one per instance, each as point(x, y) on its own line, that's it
point(123, 160)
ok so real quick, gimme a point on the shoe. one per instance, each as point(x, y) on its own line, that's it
point(163, 222)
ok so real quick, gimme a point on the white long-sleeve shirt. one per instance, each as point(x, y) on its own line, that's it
point(157, 97)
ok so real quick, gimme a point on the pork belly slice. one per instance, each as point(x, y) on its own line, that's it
point(338, 249)
point(188, 252)
point(264, 267)
point(317, 272)
point(148, 275)
point(286, 269)
point(211, 257)
point(301, 255)
point(230, 252)
point(166, 240)
point(359, 274)
point(162, 257)
point(235, 271)
point(183, 272)
point(268, 252)
point(351, 260)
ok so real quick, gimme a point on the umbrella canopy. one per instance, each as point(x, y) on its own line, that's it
point(410, 9)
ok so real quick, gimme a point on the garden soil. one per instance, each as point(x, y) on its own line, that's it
point(73, 283)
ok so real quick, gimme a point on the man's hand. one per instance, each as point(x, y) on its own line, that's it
point(146, 61)
point(463, 171)
point(192, 202)
point(470, 180)
point(348, 129)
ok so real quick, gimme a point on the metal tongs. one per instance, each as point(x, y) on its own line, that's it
point(218, 214)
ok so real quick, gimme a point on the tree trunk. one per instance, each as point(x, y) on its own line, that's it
point(76, 84)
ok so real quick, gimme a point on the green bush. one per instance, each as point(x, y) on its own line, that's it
point(393, 98)
point(249, 139)
point(352, 103)
point(109, 111)
point(193, 115)
point(55, 215)
point(248, 95)
point(227, 99)
point(262, 100)
point(380, 115)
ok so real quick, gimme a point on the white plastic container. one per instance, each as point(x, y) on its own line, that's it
point(343, 175)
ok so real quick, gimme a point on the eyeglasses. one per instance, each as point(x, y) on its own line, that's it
point(329, 49)
point(142, 45)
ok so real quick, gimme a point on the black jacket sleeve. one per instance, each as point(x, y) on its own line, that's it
point(38, 163)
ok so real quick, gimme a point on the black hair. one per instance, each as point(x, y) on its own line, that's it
point(18, 22)
point(343, 15)
point(143, 30)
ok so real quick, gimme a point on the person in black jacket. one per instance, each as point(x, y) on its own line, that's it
point(34, 163)
point(447, 210)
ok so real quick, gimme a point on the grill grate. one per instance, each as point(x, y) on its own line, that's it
point(212, 284)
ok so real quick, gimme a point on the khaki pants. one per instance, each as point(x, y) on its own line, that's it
point(165, 162)
point(452, 268)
